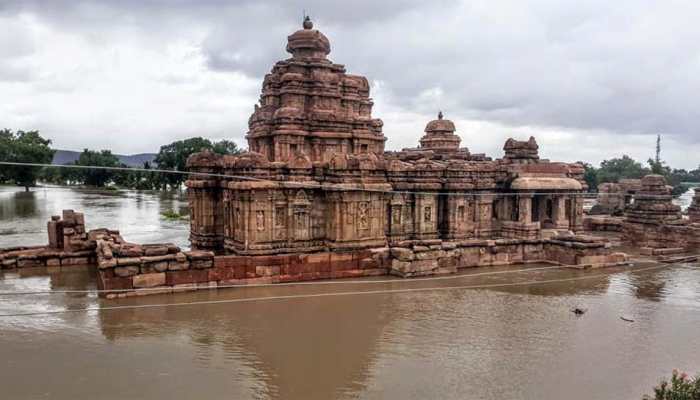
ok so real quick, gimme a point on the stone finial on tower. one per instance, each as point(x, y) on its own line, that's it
point(440, 114)
point(307, 24)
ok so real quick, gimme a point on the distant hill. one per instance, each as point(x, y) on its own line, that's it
point(133, 160)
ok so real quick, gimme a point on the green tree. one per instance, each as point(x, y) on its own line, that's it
point(174, 155)
point(226, 147)
point(96, 176)
point(25, 147)
point(591, 176)
point(620, 168)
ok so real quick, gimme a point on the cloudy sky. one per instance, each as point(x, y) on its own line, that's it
point(591, 80)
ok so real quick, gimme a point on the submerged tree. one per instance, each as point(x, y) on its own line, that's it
point(23, 147)
point(95, 176)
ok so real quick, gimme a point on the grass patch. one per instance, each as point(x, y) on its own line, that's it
point(174, 215)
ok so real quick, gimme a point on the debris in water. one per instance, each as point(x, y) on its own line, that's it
point(579, 311)
point(628, 319)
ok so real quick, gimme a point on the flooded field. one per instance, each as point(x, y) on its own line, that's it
point(490, 333)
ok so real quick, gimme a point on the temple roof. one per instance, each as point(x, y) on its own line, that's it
point(545, 183)
point(308, 42)
point(440, 135)
point(440, 125)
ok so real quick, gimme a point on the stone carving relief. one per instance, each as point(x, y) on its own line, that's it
point(396, 214)
point(280, 217)
point(260, 220)
point(427, 214)
point(363, 215)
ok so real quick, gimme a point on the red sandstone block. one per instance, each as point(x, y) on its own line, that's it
point(360, 254)
point(309, 268)
point(188, 276)
point(239, 271)
point(295, 269)
point(324, 267)
point(315, 257)
point(324, 275)
point(289, 278)
point(116, 283)
point(230, 261)
point(307, 276)
point(343, 265)
point(221, 273)
point(250, 271)
point(269, 260)
point(368, 263)
point(339, 257)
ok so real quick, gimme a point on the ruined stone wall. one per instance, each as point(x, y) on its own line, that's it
point(69, 244)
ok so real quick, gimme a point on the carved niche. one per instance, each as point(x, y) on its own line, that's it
point(427, 214)
point(301, 215)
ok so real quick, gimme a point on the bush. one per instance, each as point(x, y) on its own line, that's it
point(681, 387)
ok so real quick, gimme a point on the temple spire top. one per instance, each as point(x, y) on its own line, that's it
point(307, 24)
point(440, 114)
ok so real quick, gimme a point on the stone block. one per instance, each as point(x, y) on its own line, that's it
point(188, 276)
point(23, 262)
point(230, 261)
point(116, 283)
point(149, 280)
point(201, 264)
point(155, 250)
point(402, 254)
point(199, 255)
point(222, 273)
point(178, 266)
point(128, 261)
point(128, 270)
point(70, 261)
point(161, 266)
point(104, 264)
point(341, 257)
point(53, 262)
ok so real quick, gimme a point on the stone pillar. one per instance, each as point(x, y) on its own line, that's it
point(577, 214)
point(525, 208)
point(483, 221)
point(559, 212)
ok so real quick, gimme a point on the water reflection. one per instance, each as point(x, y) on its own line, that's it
point(498, 342)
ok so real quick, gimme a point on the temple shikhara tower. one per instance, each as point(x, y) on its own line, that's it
point(317, 182)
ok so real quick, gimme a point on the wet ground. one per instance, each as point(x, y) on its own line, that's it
point(490, 333)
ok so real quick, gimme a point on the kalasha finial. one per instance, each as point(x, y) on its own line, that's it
point(440, 115)
point(307, 23)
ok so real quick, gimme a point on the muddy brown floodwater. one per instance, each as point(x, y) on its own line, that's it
point(342, 340)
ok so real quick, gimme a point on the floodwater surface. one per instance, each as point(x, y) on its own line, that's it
point(489, 333)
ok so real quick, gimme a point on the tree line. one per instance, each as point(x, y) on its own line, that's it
point(627, 168)
point(30, 147)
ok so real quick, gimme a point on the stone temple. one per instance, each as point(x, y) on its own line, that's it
point(318, 179)
point(318, 197)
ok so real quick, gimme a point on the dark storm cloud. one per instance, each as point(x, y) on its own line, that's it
point(624, 67)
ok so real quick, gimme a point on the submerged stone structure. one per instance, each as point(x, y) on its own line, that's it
point(318, 186)
point(653, 221)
